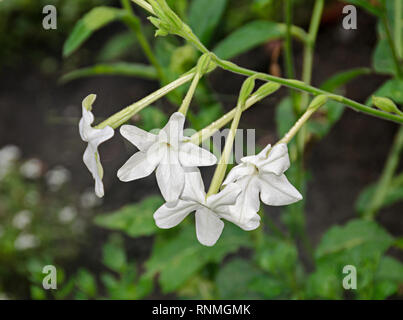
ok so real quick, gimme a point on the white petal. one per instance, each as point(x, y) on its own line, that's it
point(170, 215)
point(194, 186)
point(87, 115)
point(140, 165)
point(174, 129)
point(277, 161)
point(208, 227)
point(191, 155)
point(140, 138)
point(277, 190)
point(99, 187)
point(238, 172)
point(226, 197)
point(91, 160)
point(245, 212)
point(102, 135)
point(170, 177)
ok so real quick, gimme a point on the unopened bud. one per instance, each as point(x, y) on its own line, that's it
point(317, 102)
point(88, 101)
point(246, 90)
point(267, 89)
point(385, 104)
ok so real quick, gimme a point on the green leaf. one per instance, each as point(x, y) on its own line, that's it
point(92, 21)
point(248, 37)
point(86, 283)
point(324, 283)
point(113, 69)
point(388, 278)
point(152, 118)
point(204, 15)
point(277, 256)
point(179, 258)
point(393, 195)
point(359, 239)
point(392, 89)
point(342, 78)
point(235, 278)
point(382, 60)
point(368, 6)
point(118, 46)
point(114, 256)
point(285, 117)
point(136, 220)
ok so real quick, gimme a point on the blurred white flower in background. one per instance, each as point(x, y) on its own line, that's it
point(22, 219)
point(32, 169)
point(67, 214)
point(89, 200)
point(8, 155)
point(26, 241)
point(57, 177)
point(3, 296)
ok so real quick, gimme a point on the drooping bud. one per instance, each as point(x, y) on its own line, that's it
point(89, 101)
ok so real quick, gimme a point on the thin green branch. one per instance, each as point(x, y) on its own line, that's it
point(387, 176)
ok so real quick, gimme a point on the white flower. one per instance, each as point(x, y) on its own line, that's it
point(94, 137)
point(57, 177)
point(169, 152)
point(209, 210)
point(67, 214)
point(26, 241)
point(264, 175)
point(32, 169)
point(89, 200)
point(22, 219)
point(8, 155)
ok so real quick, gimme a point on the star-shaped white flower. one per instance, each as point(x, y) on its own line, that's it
point(262, 175)
point(209, 210)
point(94, 137)
point(169, 152)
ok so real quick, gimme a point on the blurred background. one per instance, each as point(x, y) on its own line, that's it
point(49, 213)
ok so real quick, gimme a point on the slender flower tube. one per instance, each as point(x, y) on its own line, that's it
point(209, 210)
point(94, 137)
point(169, 153)
point(262, 175)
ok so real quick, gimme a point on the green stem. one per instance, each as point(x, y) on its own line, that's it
point(387, 176)
point(124, 115)
point(133, 22)
point(189, 95)
point(398, 27)
point(392, 46)
point(288, 52)
point(299, 85)
point(208, 131)
point(221, 169)
point(187, 33)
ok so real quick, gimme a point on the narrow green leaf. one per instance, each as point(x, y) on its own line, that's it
point(342, 78)
point(248, 37)
point(204, 15)
point(112, 69)
point(92, 21)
